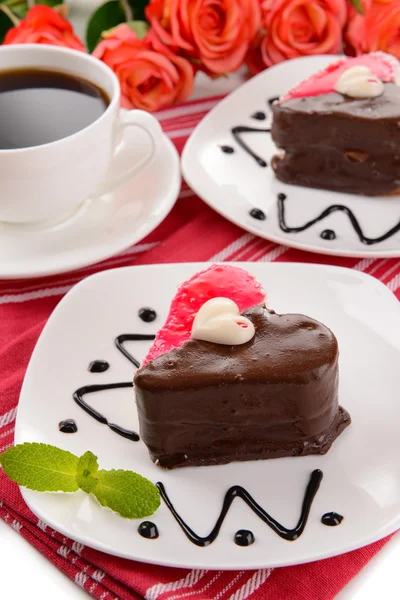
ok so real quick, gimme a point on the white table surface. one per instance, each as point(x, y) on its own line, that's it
point(25, 573)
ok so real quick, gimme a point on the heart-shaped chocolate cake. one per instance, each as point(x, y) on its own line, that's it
point(234, 398)
point(339, 129)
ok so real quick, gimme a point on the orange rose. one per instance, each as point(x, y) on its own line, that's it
point(297, 28)
point(214, 34)
point(377, 29)
point(43, 25)
point(150, 75)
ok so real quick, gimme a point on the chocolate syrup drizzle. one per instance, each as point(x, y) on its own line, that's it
point(237, 491)
point(148, 530)
point(91, 389)
point(227, 149)
point(98, 366)
point(325, 213)
point(68, 426)
point(238, 131)
point(259, 116)
point(331, 519)
point(132, 337)
point(244, 537)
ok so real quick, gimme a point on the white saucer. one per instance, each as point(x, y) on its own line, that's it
point(233, 184)
point(101, 227)
point(361, 472)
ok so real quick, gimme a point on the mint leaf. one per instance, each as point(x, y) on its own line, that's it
point(41, 467)
point(87, 469)
point(127, 493)
point(358, 6)
point(139, 27)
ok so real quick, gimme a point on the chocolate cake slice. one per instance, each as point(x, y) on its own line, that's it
point(340, 129)
point(274, 395)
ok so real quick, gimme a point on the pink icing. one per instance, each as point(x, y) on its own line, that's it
point(383, 65)
point(215, 281)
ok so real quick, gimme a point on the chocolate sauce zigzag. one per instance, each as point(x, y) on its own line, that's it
point(132, 337)
point(237, 491)
point(237, 133)
point(325, 213)
point(90, 389)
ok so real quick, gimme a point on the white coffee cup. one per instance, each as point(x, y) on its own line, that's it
point(43, 184)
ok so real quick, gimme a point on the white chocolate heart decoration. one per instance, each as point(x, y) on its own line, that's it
point(219, 321)
point(359, 82)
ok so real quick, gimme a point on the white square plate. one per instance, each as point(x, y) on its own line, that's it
point(234, 183)
point(361, 471)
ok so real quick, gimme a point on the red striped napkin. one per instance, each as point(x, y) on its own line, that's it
point(192, 232)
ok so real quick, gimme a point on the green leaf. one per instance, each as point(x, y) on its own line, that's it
point(41, 467)
point(106, 17)
point(86, 472)
point(138, 7)
point(358, 6)
point(7, 21)
point(139, 27)
point(127, 493)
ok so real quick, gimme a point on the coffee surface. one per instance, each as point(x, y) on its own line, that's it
point(40, 106)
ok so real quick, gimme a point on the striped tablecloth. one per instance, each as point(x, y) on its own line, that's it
point(192, 232)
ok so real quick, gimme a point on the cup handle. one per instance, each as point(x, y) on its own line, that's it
point(149, 124)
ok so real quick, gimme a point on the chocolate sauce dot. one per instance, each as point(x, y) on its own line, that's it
point(331, 519)
point(148, 315)
point(259, 116)
point(328, 234)
point(258, 214)
point(99, 366)
point(244, 537)
point(227, 149)
point(272, 100)
point(68, 426)
point(148, 530)
point(282, 196)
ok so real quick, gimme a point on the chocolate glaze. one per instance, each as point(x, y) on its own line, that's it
point(237, 133)
point(148, 530)
point(68, 426)
point(271, 397)
point(244, 537)
point(148, 315)
point(340, 143)
point(99, 366)
point(331, 519)
point(325, 213)
point(237, 491)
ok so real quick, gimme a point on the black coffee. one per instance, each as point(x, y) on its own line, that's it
point(38, 107)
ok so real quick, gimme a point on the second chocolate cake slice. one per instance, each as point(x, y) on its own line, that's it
point(339, 130)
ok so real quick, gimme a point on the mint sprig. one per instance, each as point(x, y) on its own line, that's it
point(45, 468)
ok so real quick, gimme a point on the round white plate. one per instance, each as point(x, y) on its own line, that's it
point(361, 474)
point(233, 184)
point(101, 227)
